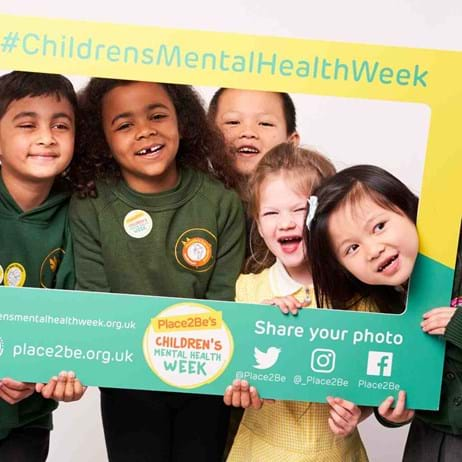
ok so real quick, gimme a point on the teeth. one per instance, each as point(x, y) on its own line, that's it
point(150, 150)
point(284, 240)
point(387, 263)
point(248, 150)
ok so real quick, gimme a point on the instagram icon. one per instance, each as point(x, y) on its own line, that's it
point(323, 360)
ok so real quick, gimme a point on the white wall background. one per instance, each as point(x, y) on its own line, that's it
point(414, 23)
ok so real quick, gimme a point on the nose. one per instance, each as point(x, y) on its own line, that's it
point(286, 221)
point(248, 131)
point(145, 130)
point(45, 137)
point(374, 249)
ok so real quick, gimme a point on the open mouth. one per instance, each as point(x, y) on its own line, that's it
point(46, 156)
point(248, 150)
point(290, 244)
point(387, 263)
point(150, 150)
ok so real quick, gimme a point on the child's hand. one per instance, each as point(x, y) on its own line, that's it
point(436, 320)
point(66, 387)
point(240, 394)
point(287, 304)
point(399, 414)
point(13, 391)
point(345, 416)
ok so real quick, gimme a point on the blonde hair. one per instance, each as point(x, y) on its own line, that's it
point(303, 168)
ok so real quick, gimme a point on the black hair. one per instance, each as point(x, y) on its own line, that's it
point(288, 108)
point(334, 285)
point(201, 145)
point(19, 84)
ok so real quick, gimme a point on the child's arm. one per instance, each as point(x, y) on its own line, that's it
point(66, 387)
point(13, 391)
point(231, 248)
point(345, 415)
point(89, 264)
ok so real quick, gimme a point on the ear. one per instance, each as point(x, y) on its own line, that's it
point(294, 138)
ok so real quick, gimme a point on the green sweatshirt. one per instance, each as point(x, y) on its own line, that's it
point(185, 242)
point(33, 246)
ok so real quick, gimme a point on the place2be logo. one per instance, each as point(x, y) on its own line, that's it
point(188, 345)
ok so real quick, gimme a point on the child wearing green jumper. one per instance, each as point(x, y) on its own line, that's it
point(37, 128)
point(158, 225)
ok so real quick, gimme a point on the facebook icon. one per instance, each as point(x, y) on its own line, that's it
point(379, 363)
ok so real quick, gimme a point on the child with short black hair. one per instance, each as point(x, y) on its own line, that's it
point(252, 122)
point(37, 130)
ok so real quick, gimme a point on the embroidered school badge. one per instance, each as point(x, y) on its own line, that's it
point(194, 249)
point(49, 267)
point(15, 275)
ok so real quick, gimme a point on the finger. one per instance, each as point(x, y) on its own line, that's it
point(236, 395)
point(227, 396)
point(337, 409)
point(436, 311)
point(385, 407)
point(49, 388)
point(39, 387)
point(69, 392)
point(400, 404)
point(255, 400)
point(245, 395)
point(60, 387)
point(335, 428)
point(437, 331)
point(16, 385)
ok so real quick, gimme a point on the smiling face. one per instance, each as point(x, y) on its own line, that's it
point(281, 221)
point(141, 128)
point(36, 139)
point(252, 123)
point(375, 244)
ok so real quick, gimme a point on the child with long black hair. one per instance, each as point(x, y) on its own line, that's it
point(363, 246)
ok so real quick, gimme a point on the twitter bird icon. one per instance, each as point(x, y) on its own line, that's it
point(266, 360)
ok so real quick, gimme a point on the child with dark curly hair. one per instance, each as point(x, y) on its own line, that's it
point(157, 223)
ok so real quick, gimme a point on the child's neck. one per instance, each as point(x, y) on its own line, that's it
point(27, 195)
point(301, 275)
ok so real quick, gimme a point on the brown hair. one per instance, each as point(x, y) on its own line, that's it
point(304, 168)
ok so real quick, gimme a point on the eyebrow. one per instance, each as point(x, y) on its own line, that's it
point(149, 107)
point(57, 115)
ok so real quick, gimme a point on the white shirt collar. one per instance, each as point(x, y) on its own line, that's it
point(280, 281)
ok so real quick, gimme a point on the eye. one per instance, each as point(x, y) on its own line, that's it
point(158, 116)
point(351, 249)
point(266, 124)
point(379, 227)
point(124, 126)
point(268, 213)
point(61, 126)
point(26, 125)
point(300, 209)
point(232, 122)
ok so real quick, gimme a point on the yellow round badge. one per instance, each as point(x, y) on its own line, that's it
point(1, 274)
point(15, 275)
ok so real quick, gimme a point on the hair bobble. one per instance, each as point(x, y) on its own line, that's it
point(313, 203)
